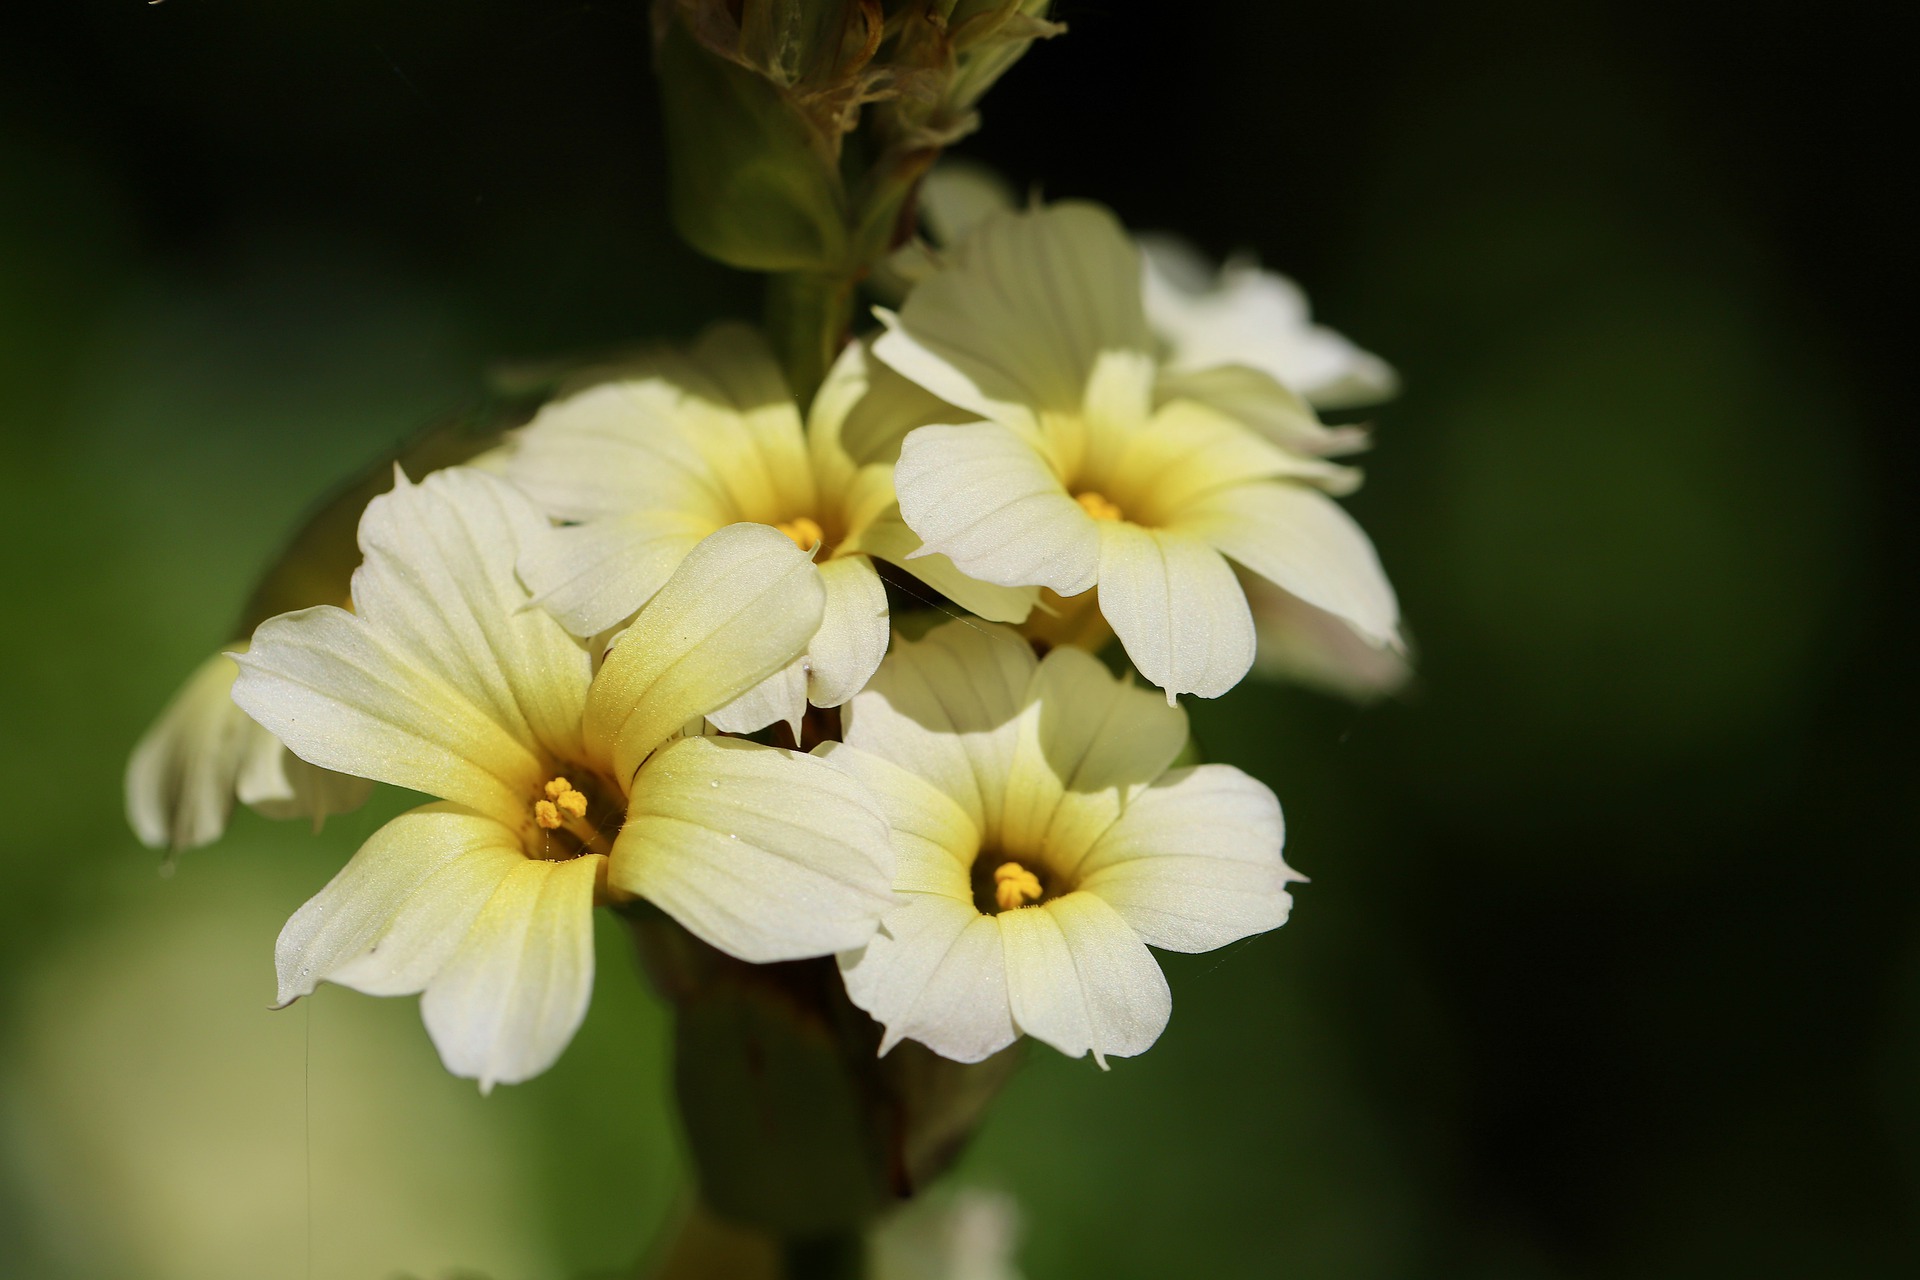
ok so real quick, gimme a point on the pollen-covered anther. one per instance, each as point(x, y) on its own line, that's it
point(804, 530)
point(1015, 886)
point(563, 802)
point(1098, 505)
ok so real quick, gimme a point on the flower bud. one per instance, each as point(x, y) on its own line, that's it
point(752, 183)
point(948, 55)
point(819, 54)
point(761, 95)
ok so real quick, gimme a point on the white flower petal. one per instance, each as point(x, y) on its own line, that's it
point(439, 581)
point(758, 446)
point(947, 709)
point(1194, 862)
point(1087, 741)
point(1119, 391)
point(868, 498)
point(845, 387)
point(731, 363)
point(864, 410)
point(779, 699)
point(510, 998)
point(1260, 403)
point(936, 974)
point(1301, 540)
point(1190, 451)
point(616, 447)
point(853, 634)
point(440, 681)
point(263, 784)
point(1079, 979)
point(934, 841)
point(593, 576)
point(958, 195)
point(888, 538)
point(391, 917)
point(712, 431)
point(344, 697)
point(764, 853)
point(180, 779)
point(276, 783)
point(741, 606)
point(1024, 308)
point(203, 752)
point(983, 496)
point(1249, 316)
point(1176, 607)
point(1304, 645)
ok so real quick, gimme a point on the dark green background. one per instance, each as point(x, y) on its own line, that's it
point(1610, 966)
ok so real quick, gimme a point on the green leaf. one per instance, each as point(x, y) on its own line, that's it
point(751, 185)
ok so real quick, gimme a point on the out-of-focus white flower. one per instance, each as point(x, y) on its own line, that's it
point(204, 752)
point(151, 1119)
point(559, 786)
point(644, 465)
point(968, 1233)
point(1043, 844)
point(1304, 645)
point(1242, 314)
point(1086, 472)
point(958, 195)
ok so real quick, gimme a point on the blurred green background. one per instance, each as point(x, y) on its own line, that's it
point(1610, 966)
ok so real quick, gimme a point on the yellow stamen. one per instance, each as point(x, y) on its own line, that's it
point(1098, 505)
point(1014, 886)
point(804, 530)
point(563, 802)
point(561, 811)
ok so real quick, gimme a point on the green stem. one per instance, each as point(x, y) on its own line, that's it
point(800, 1136)
point(809, 317)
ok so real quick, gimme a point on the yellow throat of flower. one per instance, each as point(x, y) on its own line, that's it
point(1098, 505)
point(804, 530)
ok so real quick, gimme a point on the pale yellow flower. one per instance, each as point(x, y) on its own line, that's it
point(1240, 339)
point(203, 753)
point(1085, 473)
point(643, 465)
point(558, 786)
point(1043, 844)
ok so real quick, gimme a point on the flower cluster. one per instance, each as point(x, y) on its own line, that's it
point(649, 652)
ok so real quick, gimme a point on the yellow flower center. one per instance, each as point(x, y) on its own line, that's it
point(1098, 505)
point(562, 814)
point(804, 530)
point(562, 802)
point(1014, 886)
